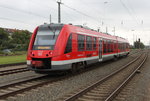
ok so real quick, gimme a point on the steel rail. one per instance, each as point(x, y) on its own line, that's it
point(5, 95)
point(82, 92)
point(39, 84)
point(12, 64)
point(12, 71)
point(117, 90)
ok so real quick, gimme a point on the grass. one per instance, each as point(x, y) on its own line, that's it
point(12, 59)
point(19, 52)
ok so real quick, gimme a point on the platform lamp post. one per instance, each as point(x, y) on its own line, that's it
point(98, 29)
point(103, 20)
point(50, 19)
point(114, 30)
point(133, 37)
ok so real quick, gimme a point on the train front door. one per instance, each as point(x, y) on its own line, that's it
point(100, 49)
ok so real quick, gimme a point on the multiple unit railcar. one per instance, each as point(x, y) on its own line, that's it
point(61, 47)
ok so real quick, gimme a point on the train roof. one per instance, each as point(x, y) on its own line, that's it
point(87, 31)
point(84, 30)
point(56, 25)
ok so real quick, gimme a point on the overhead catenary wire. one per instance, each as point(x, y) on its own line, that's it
point(129, 12)
point(54, 10)
point(44, 5)
point(133, 11)
point(34, 14)
point(140, 20)
point(80, 12)
point(22, 11)
point(98, 22)
point(13, 20)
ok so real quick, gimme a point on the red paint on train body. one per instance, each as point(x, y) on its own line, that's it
point(55, 47)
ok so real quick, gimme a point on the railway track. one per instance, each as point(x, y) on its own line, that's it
point(13, 64)
point(11, 89)
point(29, 83)
point(12, 71)
point(18, 70)
point(108, 88)
point(135, 52)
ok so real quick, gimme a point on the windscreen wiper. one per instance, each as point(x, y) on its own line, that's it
point(53, 30)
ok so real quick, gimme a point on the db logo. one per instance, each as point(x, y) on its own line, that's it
point(68, 56)
point(40, 53)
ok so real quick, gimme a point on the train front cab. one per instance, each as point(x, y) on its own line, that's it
point(43, 47)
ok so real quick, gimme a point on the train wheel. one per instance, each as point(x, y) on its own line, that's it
point(85, 64)
point(126, 55)
point(74, 68)
point(115, 58)
point(39, 72)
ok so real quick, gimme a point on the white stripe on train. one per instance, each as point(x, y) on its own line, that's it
point(63, 62)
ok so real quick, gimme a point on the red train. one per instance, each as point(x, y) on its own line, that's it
point(59, 47)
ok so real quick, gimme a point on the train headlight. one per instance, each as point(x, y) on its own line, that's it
point(28, 62)
point(50, 53)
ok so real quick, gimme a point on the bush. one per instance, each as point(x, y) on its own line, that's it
point(1, 52)
point(19, 40)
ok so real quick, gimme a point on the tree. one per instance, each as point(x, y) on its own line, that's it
point(21, 39)
point(139, 45)
point(3, 39)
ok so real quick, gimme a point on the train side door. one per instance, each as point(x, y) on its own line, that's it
point(100, 49)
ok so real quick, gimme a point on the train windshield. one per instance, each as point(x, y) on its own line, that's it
point(46, 38)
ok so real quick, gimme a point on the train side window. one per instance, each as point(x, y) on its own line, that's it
point(119, 46)
point(94, 43)
point(69, 44)
point(127, 45)
point(88, 43)
point(112, 46)
point(81, 43)
point(108, 46)
point(105, 46)
point(116, 45)
point(124, 46)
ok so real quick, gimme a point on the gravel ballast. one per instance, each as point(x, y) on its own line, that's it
point(60, 89)
point(139, 87)
point(16, 76)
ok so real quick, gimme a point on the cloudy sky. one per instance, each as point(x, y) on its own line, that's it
point(129, 18)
